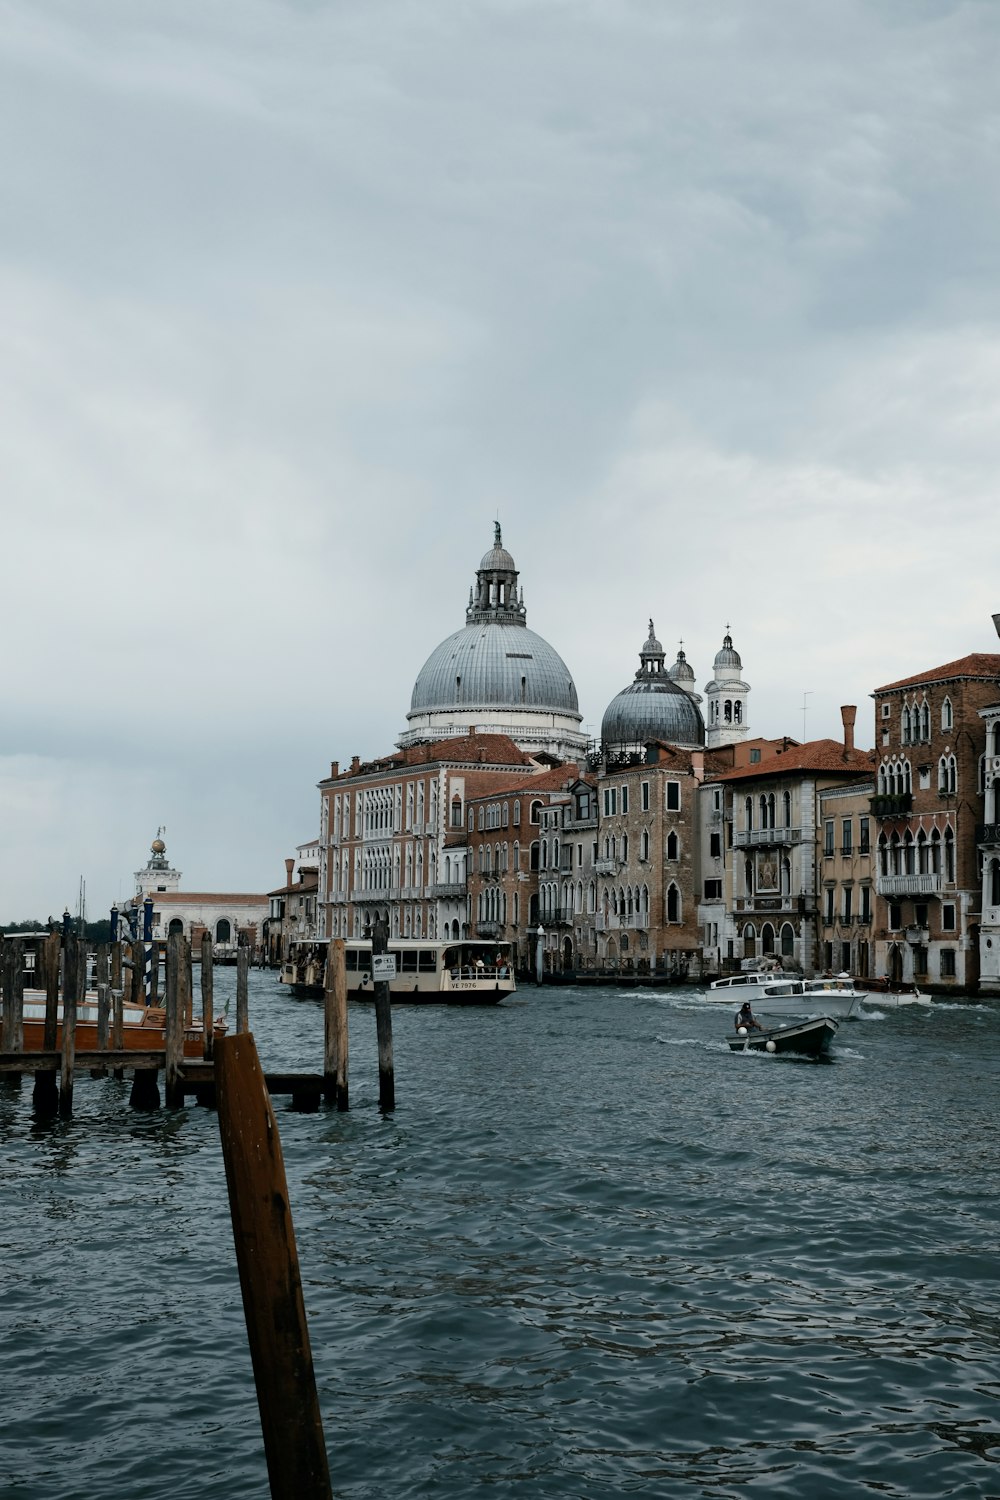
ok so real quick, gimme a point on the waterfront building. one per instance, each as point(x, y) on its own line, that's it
point(233, 918)
point(845, 859)
point(395, 833)
point(521, 863)
point(292, 907)
point(496, 676)
point(928, 808)
point(772, 806)
point(988, 843)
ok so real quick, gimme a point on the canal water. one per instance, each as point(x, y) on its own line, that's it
point(592, 1253)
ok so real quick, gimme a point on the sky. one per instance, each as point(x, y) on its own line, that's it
point(299, 296)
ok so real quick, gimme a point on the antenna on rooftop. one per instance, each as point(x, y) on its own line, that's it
point(805, 708)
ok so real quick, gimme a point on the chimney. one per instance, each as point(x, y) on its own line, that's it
point(334, 769)
point(355, 764)
point(848, 713)
point(996, 623)
point(289, 867)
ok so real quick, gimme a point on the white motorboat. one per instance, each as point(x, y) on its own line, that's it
point(811, 1038)
point(778, 994)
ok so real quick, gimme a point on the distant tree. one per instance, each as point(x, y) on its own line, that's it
point(28, 926)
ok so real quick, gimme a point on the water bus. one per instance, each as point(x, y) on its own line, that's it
point(462, 971)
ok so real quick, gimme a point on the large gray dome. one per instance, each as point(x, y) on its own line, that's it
point(491, 665)
point(653, 707)
point(495, 675)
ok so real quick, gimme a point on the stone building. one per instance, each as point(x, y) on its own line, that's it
point(293, 907)
point(772, 806)
point(395, 832)
point(845, 860)
point(233, 918)
point(521, 864)
point(988, 843)
point(928, 807)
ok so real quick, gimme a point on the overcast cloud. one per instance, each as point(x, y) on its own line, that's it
point(700, 300)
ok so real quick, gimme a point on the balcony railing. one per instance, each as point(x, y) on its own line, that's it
point(637, 922)
point(445, 888)
point(892, 805)
point(988, 833)
point(606, 867)
point(929, 884)
point(489, 929)
point(746, 837)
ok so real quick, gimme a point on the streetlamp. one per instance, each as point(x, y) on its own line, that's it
point(539, 954)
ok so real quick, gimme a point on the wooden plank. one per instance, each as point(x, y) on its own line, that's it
point(383, 1023)
point(335, 1035)
point(267, 1259)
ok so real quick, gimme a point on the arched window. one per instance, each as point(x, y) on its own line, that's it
point(748, 808)
point(786, 809)
point(767, 938)
point(749, 941)
point(673, 846)
point(925, 721)
point(947, 716)
point(673, 903)
point(624, 847)
point(534, 855)
point(644, 844)
point(482, 819)
point(517, 855)
point(906, 725)
point(949, 856)
point(996, 738)
point(223, 929)
point(787, 940)
point(506, 812)
point(995, 882)
point(727, 712)
point(737, 711)
point(536, 812)
point(748, 876)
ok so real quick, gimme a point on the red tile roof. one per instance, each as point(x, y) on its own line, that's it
point(557, 779)
point(462, 749)
point(207, 898)
point(981, 664)
point(826, 757)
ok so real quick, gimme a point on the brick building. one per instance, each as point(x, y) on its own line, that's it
point(928, 807)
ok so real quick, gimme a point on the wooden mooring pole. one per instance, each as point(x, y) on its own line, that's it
point(12, 1030)
point(45, 1094)
point(177, 953)
point(266, 1255)
point(383, 1023)
point(242, 1006)
point(335, 1037)
point(74, 980)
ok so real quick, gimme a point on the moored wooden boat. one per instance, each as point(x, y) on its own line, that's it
point(143, 1029)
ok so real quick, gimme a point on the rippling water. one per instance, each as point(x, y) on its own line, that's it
point(592, 1253)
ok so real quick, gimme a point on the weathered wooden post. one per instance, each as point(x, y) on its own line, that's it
point(145, 1091)
point(242, 1006)
point(7, 1029)
point(207, 996)
point(101, 971)
point(176, 967)
point(383, 1020)
point(45, 1094)
point(335, 1037)
point(267, 1259)
point(74, 979)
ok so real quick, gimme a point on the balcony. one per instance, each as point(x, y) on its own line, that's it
point(918, 936)
point(929, 884)
point(445, 888)
point(489, 930)
point(988, 833)
point(892, 805)
point(606, 867)
point(638, 922)
point(751, 837)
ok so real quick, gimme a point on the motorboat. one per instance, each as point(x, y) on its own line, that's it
point(809, 1038)
point(774, 993)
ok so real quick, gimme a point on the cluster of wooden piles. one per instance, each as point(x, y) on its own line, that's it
point(179, 1047)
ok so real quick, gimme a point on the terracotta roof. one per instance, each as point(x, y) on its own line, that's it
point(462, 749)
point(304, 887)
point(827, 757)
point(557, 779)
point(981, 664)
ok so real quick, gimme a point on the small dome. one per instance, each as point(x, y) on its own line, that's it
point(497, 560)
point(727, 657)
point(681, 671)
point(158, 847)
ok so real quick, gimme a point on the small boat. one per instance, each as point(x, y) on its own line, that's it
point(778, 994)
point(810, 1038)
point(143, 1026)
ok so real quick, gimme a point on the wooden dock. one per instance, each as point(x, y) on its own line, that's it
point(62, 971)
